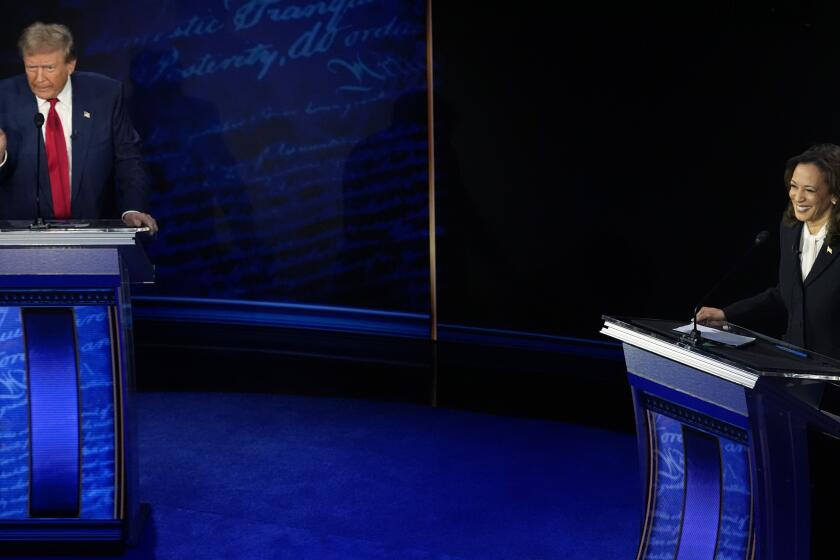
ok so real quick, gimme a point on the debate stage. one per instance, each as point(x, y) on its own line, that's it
point(245, 476)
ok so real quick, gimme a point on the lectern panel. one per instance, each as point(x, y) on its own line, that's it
point(700, 501)
point(97, 372)
point(79, 345)
point(665, 504)
point(736, 505)
point(14, 418)
point(53, 384)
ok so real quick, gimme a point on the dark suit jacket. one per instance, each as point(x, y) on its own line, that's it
point(811, 307)
point(108, 175)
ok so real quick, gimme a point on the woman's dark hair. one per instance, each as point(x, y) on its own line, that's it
point(827, 159)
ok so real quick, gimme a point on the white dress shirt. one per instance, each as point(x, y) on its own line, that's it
point(809, 247)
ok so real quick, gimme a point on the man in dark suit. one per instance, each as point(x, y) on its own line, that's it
point(90, 159)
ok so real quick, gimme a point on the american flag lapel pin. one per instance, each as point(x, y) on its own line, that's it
point(85, 114)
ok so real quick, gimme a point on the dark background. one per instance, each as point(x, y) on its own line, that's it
point(619, 165)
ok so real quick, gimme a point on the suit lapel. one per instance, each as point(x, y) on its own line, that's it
point(790, 240)
point(81, 133)
point(824, 260)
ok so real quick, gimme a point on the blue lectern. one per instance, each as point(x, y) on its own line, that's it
point(727, 444)
point(68, 461)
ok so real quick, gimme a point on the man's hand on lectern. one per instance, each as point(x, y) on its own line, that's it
point(139, 219)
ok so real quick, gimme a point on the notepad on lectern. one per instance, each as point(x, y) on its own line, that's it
point(717, 335)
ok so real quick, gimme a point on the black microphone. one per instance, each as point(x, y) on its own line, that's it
point(760, 239)
point(39, 220)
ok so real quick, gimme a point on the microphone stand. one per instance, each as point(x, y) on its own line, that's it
point(695, 337)
point(39, 220)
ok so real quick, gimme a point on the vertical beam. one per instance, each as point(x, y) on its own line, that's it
point(53, 411)
point(430, 95)
point(703, 496)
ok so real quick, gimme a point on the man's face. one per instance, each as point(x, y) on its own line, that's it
point(47, 73)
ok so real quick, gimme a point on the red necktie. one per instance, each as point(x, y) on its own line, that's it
point(57, 163)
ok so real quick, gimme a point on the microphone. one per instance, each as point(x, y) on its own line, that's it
point(39, 220)
point(760, 239)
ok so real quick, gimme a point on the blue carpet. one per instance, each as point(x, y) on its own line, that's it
point(237, 476)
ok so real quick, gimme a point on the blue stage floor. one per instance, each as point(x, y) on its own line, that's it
point(235, 476)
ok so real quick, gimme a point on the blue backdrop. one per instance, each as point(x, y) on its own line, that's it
point(287, 142)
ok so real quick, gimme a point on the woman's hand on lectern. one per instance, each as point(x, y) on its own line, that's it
point(711, 317)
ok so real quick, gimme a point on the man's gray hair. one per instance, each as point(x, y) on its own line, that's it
point(47, 37)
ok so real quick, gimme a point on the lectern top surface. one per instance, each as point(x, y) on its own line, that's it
point(67, 233)
point(765, 356)
point(16, 226)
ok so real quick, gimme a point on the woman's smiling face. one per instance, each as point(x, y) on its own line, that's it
point(810, 196)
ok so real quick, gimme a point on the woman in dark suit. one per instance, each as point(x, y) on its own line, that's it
point(808, 292)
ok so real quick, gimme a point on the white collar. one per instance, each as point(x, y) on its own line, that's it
point(819, 236)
